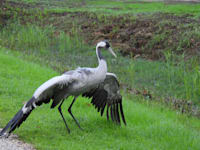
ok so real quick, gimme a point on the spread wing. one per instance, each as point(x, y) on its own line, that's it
point(54, 88)
point(107, 94)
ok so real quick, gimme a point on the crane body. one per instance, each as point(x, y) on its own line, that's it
point(95, 83)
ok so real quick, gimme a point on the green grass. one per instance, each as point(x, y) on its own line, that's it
point(36, 48)
point(121, 8)
point(173, 78)
point(150, 126)
point(138, 7)
point(162, 79)
point(115, 7)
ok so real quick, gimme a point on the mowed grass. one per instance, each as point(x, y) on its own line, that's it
point(135, 7)
point(115, 7)
point(149, 126)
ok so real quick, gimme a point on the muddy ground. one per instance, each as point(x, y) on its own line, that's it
point(147, 36)
point(143, 35)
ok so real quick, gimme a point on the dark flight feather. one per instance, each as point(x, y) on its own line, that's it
point(107, 95)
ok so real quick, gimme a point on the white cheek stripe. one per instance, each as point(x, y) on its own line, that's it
point(101, 44)
point(55, 80)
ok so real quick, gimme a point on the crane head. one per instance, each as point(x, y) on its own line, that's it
point(105, 44)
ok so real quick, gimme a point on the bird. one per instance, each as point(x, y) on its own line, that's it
point(96, 84)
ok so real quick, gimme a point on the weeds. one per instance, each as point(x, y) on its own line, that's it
point(174, 76)
point(157, 40)
point(68, 49)
point(25, 37)
point(186, 72)
point(32, 37)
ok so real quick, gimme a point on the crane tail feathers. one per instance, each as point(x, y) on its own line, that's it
point(17, 120)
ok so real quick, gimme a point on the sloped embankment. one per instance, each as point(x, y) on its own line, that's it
point(142, 35)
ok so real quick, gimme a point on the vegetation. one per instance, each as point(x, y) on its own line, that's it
point(150, 126)
point(114, 7)
point(158, 64)
point(172, 78)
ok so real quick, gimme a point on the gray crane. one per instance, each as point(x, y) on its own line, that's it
point(95, 83)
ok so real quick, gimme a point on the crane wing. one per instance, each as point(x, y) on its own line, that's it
point(54, 89)
point(107, 94)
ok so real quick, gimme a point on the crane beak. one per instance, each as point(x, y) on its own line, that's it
point(111, 51)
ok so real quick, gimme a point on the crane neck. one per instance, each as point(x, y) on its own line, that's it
point(102, 62)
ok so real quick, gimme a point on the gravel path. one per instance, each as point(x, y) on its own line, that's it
point(12, 143)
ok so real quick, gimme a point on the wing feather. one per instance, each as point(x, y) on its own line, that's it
point(107, 94)
point(122, 113)
point(107, 112)
point(117, 112)
point(111, 113)
point(102, 109)
point(54, 89)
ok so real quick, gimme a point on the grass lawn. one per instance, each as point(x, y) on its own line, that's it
point(115, 7)
point(149, 125)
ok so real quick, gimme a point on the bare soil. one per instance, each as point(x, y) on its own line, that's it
point(144, 35)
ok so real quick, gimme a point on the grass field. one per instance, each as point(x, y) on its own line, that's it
point(41, 39)
point(149, 126)
point(115, 7)
point(172, 78)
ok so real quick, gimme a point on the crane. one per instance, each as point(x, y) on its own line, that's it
point(94, 83)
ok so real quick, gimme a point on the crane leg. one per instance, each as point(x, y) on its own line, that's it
point(70, 112)
point(59, 109)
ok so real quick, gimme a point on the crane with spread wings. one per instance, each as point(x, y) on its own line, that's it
point(95, 83)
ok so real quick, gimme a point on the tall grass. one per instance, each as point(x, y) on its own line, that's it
point(31, 37)
point(173, 78)
point(186, 72)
